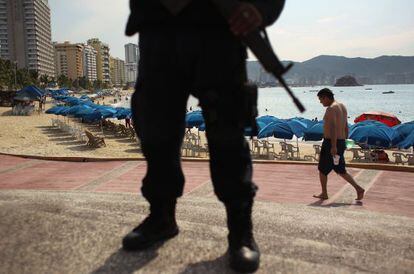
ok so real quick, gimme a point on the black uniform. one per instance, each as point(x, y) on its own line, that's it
point(192, 53)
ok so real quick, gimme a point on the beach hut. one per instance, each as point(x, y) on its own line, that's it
point(23, 101)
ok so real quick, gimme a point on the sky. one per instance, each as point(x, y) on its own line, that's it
point(306, 28)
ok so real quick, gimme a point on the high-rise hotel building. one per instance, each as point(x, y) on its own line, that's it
point(25, 35)
point(131, 63)
point(89, 63)
point(117, 71)
point(69, 60)
point(102, 60)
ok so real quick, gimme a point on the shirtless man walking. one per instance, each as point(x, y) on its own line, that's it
point(335, 131)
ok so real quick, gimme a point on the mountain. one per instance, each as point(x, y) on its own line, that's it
point(326, 69)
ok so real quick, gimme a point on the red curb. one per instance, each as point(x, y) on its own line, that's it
point(375, 166)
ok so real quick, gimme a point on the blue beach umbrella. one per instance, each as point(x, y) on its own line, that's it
point(83, 112)
point(314, 133)
point(365, 123)
point(374, 135)
point(77, 108)
point(72, 100)
point(278, 129)
point(248, 130)
point(62, 110)
point(123, 113)
point(405, 129)
point(106, 112)
point(267, 119)
point(55, 109)
point(194, 119)
point(297, 126)
point(407, 142)
point(306, 121)
point(92, 117)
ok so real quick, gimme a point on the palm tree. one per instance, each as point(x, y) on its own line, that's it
point(44, 80)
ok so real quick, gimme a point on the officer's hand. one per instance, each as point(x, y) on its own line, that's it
point(245, 19)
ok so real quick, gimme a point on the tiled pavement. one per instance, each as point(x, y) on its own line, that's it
point(387, 191)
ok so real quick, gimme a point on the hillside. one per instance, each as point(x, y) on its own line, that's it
point(326, 69)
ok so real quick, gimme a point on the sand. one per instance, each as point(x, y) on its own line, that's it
point(35, 135)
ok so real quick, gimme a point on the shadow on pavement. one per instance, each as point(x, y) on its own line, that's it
point(319, 204)
point(218, 265)
point(128, 262)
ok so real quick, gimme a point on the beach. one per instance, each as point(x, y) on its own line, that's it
point(34, 135)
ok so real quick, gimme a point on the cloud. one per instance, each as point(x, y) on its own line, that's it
point(325, 20)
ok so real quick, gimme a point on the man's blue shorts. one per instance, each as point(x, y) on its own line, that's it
point(326, 164)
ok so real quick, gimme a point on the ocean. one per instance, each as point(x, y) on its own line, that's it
point(276, 102)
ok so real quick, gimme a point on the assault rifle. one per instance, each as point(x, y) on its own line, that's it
point(256, 41)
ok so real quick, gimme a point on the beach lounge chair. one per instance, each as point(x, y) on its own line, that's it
point(369, 156)
point(55, 122)
point(284, 152)
point(131, 133)
point(398, 158)
point(268, 150)
point(257, 146)
point(314, 157)
point(356, 156)
point(410, 159)
point(122, 131)
point(293, 151)
point(317, 151)
point(94, 141)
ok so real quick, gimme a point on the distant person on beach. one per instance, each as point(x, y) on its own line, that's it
point(316, 119)
point(127, 122)
point(178, 56)
point(335, 131)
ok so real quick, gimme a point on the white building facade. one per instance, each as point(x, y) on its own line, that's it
point(89, 63)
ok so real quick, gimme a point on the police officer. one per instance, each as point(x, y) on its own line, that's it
point(195, 52)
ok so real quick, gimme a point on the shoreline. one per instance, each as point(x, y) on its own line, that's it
point(34, 136)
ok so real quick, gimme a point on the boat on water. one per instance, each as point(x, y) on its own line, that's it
point(388, 92)
point(368, 89)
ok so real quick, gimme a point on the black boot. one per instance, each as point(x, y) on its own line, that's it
point(243, 251)
point(160, 225)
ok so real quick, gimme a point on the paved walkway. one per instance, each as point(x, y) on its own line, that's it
point(387, 191)
point(70, 217)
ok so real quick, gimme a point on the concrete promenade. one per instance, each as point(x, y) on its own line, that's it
point(69, 217)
